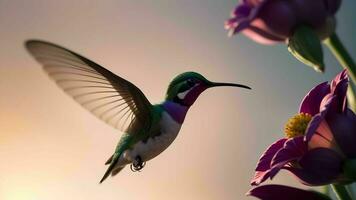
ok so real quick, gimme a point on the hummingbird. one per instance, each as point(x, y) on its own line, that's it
point(148, 129)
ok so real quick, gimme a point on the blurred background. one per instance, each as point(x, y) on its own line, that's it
point(51, 148)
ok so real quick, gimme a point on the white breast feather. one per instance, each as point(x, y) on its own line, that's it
point(155, 146)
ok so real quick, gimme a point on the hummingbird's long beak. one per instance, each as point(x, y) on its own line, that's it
point(215, 84)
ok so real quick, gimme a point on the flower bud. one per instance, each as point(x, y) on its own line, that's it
point(274, 21)
point(305, 45)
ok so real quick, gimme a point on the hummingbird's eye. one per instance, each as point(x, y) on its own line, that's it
point(191, 82)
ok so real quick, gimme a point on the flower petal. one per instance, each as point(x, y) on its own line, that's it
point(344, 130)
point(312, 100)
point(322, 138)
point(276, 192)
point(261, 36)
point(240, 15)
point(260, 177)
point(319, 166)
point(313, 13)
point(241, 11)
point(265, 161)
point(339, 90)
point(339, 77)
point(255, 2)
point(293, 149)
point(351, 114)
point(332, 6)
point(241, 18)
point(280, 17)
point(263, 166)
point(319, 118)
point(237, 27)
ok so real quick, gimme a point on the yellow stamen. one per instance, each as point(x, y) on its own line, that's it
point(297, 125)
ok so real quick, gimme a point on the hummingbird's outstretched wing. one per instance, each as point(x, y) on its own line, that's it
point(109, 97)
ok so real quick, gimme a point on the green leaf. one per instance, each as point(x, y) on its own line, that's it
point(305, 45)
point(350, 169)
point(351, 96)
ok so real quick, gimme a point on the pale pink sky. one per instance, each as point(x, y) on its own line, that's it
point(51, 148)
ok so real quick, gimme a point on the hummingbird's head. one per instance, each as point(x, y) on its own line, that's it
point(186, 87)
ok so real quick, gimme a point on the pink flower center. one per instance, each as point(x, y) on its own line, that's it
point(323, 137)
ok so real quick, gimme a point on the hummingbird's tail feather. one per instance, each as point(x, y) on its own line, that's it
point(109, 160)
point(117, 170)
point(114, 160)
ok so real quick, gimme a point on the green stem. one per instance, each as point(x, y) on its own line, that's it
point(325, 190)
point(341, 192)
point(341, 54)
point(351, 96)
point(344, 58)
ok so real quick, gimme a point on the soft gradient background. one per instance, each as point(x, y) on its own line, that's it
point(51, 148)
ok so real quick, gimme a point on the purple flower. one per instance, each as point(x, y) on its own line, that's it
point(318, 140)
point(272, 21)
point(276, 192)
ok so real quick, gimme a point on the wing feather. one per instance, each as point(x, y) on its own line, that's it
point(111, 98)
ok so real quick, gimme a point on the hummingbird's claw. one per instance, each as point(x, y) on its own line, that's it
point(137, 164)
